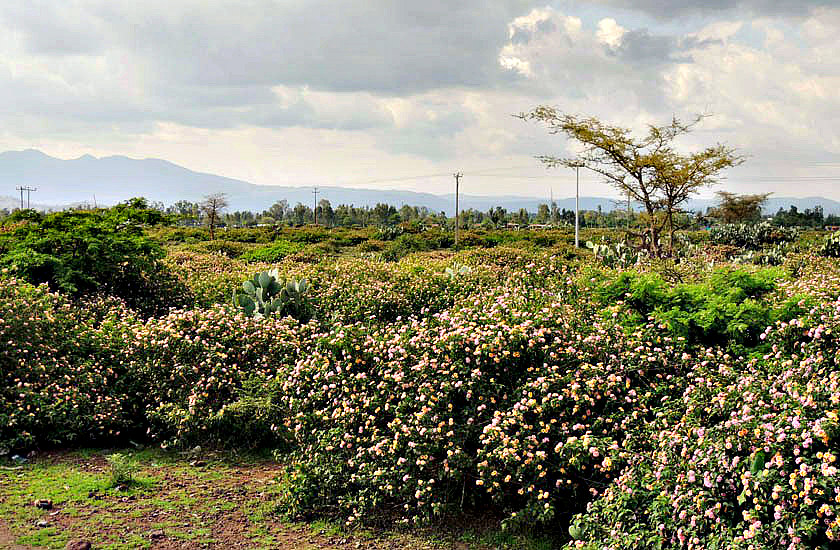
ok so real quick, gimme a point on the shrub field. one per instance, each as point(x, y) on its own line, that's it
point(687, 403)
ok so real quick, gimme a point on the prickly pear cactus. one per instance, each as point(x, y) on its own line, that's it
point(267, 293)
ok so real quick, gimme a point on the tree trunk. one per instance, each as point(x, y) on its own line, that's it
point(671, 232)
point(653, 245)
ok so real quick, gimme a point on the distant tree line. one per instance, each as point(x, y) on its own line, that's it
point(382, 214)
point(731, 208)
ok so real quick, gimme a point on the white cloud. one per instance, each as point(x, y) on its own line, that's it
point(610, 32)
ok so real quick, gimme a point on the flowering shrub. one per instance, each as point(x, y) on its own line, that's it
point(563, 437)
point(56, 383)
point(375, 292)
point(202, 369)
point(391, 417)
point(747, 458)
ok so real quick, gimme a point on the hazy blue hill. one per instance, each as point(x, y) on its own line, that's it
point(113, 179)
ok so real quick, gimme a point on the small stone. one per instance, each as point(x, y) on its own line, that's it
point(43, 504)
point(157, 534)
point(41, 523)
point(77, 545)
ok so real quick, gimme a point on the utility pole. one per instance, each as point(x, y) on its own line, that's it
point(577, 206)
point(458, 176)
point(28, 191)
point(315, 210)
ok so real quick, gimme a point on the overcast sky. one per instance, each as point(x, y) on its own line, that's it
point(374, 93)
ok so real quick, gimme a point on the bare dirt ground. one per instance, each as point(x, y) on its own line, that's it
point(174, 503)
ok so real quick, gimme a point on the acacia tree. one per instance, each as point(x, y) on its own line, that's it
point(734, 208)
point(211, 206)
point(647, 169)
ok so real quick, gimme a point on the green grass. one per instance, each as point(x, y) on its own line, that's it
point(169, 494)
point(47, 537)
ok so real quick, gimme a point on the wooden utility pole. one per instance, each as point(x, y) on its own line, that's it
point(577, 206)
point(315, 209)
point(458, 176)
point(28, 191)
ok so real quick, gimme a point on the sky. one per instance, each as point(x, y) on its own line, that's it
point(400, 94)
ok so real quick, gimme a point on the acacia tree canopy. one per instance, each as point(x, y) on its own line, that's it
point(646, 168)
point(734, 208)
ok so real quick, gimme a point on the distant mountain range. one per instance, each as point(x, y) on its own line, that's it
point(109, 180)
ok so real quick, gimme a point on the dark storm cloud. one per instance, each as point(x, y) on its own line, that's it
point(641, 46)
point(218, 64)
point(644, 48)
point(385, 46)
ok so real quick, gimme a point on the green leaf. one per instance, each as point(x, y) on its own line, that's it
point(758, 462)
point(247, 304)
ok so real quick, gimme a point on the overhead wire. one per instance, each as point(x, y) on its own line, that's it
point(489, 173)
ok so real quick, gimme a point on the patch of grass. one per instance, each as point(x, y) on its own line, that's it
point(129, 540)
point(507, 539)
point(47, 537)
point(169, 494)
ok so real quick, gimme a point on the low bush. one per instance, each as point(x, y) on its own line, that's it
point(389, 419)
point(723, 308)
point(272, 253)
point(93, 252)
point(229, 249)
point(57, 381)
point(200, 370)
point(752, 236)
point(831, 246)
point(745, 458)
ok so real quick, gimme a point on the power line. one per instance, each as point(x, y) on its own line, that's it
point(488, 173)
point(482, 173)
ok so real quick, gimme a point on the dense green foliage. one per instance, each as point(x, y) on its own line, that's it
point(88, 252)
point(274, 252)
point(724, 307)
